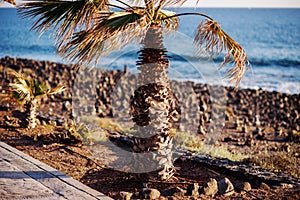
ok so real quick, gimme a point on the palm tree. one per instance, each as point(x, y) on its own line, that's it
point(28, 92)
point(86, 30)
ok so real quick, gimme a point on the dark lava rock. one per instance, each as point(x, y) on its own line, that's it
point(225, 187)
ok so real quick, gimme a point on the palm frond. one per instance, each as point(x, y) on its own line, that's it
point(110, 33)
point(164, 3)
point(210, 35)
point(20, 88)
point(64, 16)
point(137, 2)
point(25, 89)
point(38, 88)
point(56, 90)
point(149, 5)
point(12, 2)
point(20, 92)
point(170, 23)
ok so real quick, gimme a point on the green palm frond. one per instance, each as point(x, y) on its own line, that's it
point(210, 35)
point(117, 21)
point(25, 89)
point(111, 32)
point(64, 16)
point(38, 88)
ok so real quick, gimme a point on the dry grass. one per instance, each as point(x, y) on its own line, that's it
point(281, 162)
point(196, 143)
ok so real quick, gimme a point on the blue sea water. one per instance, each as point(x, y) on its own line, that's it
point(271, 38)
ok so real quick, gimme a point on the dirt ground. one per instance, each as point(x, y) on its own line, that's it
point(48, 144)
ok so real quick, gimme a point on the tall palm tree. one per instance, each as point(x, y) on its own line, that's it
point(86, 30)
point(28, 92)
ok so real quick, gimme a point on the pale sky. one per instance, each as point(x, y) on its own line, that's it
point(232, 3)
point(246, 3)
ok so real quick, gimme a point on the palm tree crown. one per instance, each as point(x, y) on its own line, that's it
point(87, 29)
point(25, 90)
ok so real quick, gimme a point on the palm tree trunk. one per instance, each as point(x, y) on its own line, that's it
point(154, 109)
point(30, 113)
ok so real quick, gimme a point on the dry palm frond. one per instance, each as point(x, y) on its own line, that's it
point(56, 90)
point(21, 92)
point(64, 16)
point(12, 2)
point(20, 89)
point(136, 2)
point(111, 32)
point(159, 3)
point(25, 89)
point(163, 3)
point(170, 23)
point(149, 5)
point(216, 41)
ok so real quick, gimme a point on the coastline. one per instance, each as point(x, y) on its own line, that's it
point(204, 108)
point(261, 126)
point(103, 84)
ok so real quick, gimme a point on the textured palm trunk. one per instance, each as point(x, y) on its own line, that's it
point(30, 113)
point(154, 109)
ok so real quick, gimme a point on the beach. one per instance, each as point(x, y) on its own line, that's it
point(259, 126)
point(112, 128)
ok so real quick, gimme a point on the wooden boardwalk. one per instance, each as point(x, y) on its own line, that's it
point(23, 177)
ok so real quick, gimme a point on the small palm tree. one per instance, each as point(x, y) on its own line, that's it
point(87, 29)
point(28, 92)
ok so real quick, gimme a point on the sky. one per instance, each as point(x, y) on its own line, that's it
point(231, 3)
point(246, 3)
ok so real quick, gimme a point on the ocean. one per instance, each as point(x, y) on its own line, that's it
point(270, 37)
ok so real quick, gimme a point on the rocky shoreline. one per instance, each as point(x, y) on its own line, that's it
point(250, 121)
point(205, 108)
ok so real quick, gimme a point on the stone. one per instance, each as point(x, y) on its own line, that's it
point(227, 139)
point(243, 187)
point(264, 186)
point(210, 188)
point(225, 187)
point(286, 148)
point(177, 191)
point(244, 129)
point(124, 195)
point(201, 130)
point(203, 107)
point(257, 131)
point(192, 189)
point(149, 193)
point(249, 142)
point(66, 106)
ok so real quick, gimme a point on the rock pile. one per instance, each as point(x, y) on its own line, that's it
point(205, 109)
point(193, 190)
